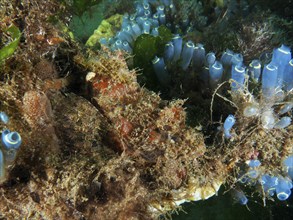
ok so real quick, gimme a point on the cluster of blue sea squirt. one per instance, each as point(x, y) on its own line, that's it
point(273, 77)
point(145, 20)
point(276, 78)
point(279, 185)
point(10, 143)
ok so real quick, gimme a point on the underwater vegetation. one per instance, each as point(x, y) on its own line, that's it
point(14, 33)
point(166, 103)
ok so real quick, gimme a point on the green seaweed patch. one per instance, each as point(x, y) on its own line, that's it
point(82, 25)
point(14, 34)
point(145, 48)
point(165, 35)
point(106, 29)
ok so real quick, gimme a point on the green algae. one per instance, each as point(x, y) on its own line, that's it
point(83, 24)
point(146, 47)
point(107, 29)
point(10, 47)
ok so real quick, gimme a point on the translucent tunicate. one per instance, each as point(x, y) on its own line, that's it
point(269, 183)
point(126, 47)
point(251, 110)
point(283, 123)
point(281, 57)
point(146, 6)
point(238, 75)
point(129, 31)
point(124, 36)
point(255, 70)
point(228, 124)
point(4, 117)
point(254, 163)
point(136, 29)
point(239, 196)
point(162, 19)
point(177, 42)
point(140, 21)
point(160, 9)
point(226, 57)
point(146, 27)
point(118, 45)
point(186, 55)
point(132, 17)
point(139, 10)
point(215, 74)
point(155, 23)
point(198, 56)
point(161, 71)
point(10, 140)
point(169, 52)
point(155, 32)
point(210, 58)
point(283, 189)
point(147, 13)
point(269, 80)
point(286, 108)
point(268, 119)
point(125, 21)
point(237, 59)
